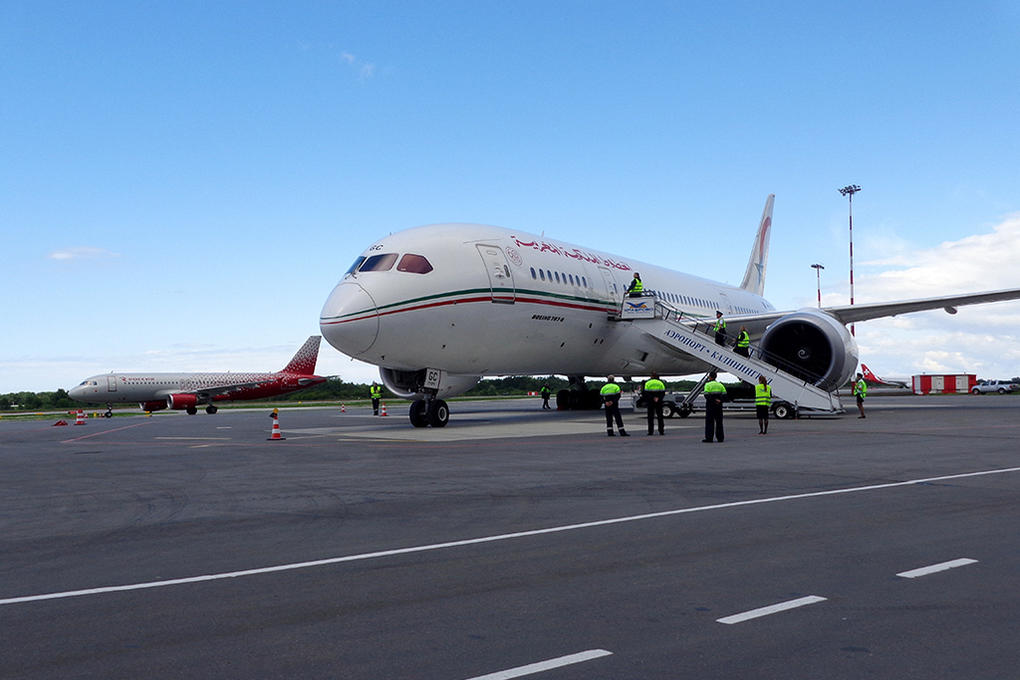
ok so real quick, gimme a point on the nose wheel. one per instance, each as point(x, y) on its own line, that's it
point(426, 412)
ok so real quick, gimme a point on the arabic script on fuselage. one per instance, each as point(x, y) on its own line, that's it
point(572, 253)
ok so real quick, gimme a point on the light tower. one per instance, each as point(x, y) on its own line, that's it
point(849, 192)
point(818, 273)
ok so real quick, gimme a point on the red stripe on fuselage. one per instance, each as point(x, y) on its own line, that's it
point(535, 301)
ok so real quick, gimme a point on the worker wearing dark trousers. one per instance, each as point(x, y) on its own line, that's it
point(715, 392)
point(655, 392)
point(611, 397)
point(719, 329)
point(376, 393)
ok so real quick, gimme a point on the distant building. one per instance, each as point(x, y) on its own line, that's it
point(949, 383)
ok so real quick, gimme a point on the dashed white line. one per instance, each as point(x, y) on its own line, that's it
point(486, 539)
point(942, 566)
point(533, 668)
point(771, 609)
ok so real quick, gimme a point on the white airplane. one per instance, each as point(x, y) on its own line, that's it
point(439, 306)
point(186, 391)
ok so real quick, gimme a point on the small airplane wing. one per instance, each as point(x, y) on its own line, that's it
point(206, 394)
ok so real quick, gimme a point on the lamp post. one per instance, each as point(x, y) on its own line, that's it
point(818, 273)
point(849, 191)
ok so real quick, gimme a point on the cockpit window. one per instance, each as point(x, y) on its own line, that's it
point(379, 263)
point(354, 267)
point(415, 264)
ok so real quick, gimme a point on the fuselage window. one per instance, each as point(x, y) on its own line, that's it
point(379, 263)
point(557, 276)
point(354, 266)
point(548, 275)
point(533, 274)
point(541, 274)
point(584, 281)
point(414, 264)
point(571, 279)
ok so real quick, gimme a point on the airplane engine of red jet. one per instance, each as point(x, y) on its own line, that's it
point(812, 345)
point(180, 402)
point(153, 405)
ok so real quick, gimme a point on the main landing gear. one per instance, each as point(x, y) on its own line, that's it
point(429, 411)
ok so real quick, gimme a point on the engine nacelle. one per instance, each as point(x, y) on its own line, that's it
point(813, 346)
point(180, 402)
point(153, 405)
point(408, 384)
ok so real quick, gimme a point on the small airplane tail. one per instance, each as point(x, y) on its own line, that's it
point(306, 357)
point(871, 377)
point(754, 276)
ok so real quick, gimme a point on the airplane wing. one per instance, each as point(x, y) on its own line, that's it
point(206, 394)
point(847, 314)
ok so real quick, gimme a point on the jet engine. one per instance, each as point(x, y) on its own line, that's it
point(409, 384)
point(153, 405)
point(812, 345)
point(180, 402)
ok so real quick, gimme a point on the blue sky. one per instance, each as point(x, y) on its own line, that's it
point(182, 183)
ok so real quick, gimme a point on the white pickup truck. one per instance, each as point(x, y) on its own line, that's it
point(1000, 386)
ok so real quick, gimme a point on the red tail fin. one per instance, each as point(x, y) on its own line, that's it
point(869, 376)
point(303, 362)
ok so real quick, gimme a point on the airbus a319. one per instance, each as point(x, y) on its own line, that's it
point(188, 391)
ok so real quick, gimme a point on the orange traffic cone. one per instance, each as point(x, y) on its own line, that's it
point(80, 418)
point(276, 430)
point(342, 409)
point(383, 410)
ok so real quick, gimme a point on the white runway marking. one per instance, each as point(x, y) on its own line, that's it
point(531, 669)
point(771, 609)
point(487, 539)
point(942, 566)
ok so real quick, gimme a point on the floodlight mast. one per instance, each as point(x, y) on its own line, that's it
point(849, 191)
point(818, 272)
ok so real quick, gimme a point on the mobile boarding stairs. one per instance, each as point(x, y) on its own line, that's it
point(667, 325)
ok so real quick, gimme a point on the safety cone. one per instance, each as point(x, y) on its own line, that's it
point(60, 422)
point(276, 430)
point(342, 409)
point(80, 418)
point(383, 410)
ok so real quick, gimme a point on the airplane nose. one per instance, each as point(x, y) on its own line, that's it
point(349, 319)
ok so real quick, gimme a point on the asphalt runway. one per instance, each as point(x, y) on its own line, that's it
point(514, 543)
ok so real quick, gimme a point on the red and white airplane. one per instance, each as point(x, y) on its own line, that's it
point(437, 307)
point(187, 391)
point(872, 378)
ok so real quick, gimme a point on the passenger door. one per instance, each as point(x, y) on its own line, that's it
point(501, 280)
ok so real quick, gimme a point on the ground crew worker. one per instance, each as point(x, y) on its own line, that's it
point(545, 392)
point(743, 346)
point(762, 403)
point(860, 391)
point(275, 413)
point(636, 288)
point(376, 393)
point(611, 396)
point(655, 391)
point(715, 392)
point(719, 328)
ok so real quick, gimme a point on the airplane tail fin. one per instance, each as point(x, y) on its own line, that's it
point(869, 376)
point(306, 357)
point(754, 275)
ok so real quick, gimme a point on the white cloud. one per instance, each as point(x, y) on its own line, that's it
point(982, 339)
point(81, 253)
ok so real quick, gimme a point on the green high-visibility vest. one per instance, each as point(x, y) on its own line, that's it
point(861, 388)
point(610, 388)
point(744, 340)
point(655, 385)
point(714, 387)
point(720, 325)
point(762, 395)
point(638, 287)
point(376, 391)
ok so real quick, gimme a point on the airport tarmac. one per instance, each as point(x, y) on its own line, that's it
point(514, 543)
